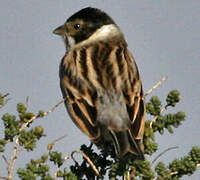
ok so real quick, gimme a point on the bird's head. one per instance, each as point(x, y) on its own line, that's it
point(88, 23)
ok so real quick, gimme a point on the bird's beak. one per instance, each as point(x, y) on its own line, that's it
point(61, 30)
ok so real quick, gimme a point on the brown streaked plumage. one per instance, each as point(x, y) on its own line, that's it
point(100, 79)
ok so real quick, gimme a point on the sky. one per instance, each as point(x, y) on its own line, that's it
point(162, 35)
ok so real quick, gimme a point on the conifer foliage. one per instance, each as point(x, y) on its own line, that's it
point(18, 132)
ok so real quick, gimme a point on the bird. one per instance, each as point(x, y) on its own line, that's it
point(100, 82)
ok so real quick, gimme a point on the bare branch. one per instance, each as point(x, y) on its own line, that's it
point(66, 157)
point(159, 155)
point(55, 174)
point(155, 86)
point(4, 177)
point(27, 101)
point(50, 145)
point(54, 107)
point(88, 160)
point(6, 95)
point(38, 116)
point(12, 160)
point(60, 138)
point(5, 159)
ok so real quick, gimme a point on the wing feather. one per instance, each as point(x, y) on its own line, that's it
point(81, 98)
point(134, 98)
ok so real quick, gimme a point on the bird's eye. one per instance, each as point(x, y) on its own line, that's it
point(77, 26)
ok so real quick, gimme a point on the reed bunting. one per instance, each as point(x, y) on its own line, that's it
point(100, 81)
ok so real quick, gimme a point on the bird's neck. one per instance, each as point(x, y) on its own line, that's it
point(106, 33)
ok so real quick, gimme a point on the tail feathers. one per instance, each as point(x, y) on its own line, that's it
point(124, 143)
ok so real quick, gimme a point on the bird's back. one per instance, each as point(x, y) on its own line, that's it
point(103, 87)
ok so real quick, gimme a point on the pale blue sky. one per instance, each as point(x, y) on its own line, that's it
point(162, 35)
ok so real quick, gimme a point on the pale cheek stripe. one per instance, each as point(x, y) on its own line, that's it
point(71, 41)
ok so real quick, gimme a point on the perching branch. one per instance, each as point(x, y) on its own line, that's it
point(88, 160)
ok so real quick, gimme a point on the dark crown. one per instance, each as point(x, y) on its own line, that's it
point(94, 15)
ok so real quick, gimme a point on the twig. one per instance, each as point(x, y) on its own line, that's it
point(38, 116)
point(66, 157)
point(4, 177)
point(159, 155)
point(6, 95)
point(155, 86)
point(5, 159)
point(88, 160)
point(27, 101)
point(50, 145)
point(6, 101)
point(60, 138)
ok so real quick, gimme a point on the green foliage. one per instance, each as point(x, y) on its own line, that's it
point(11, 126)
point(154, 106)
point(143, 169)
point(186, 165)
point(66, 175)
point(168, 121)
point(172, 98)
point(21, 108)
point(28, 139)
point(1, 99)
point(16, 127)
point(150, 147)
point(179, 167)
point(2, 144)
point(25, 117)
point(161, 121)
point(34, 169)
point(40, 168)
point(56, 157)
point(162, 171)
point(195, 154)
point(41, 113)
